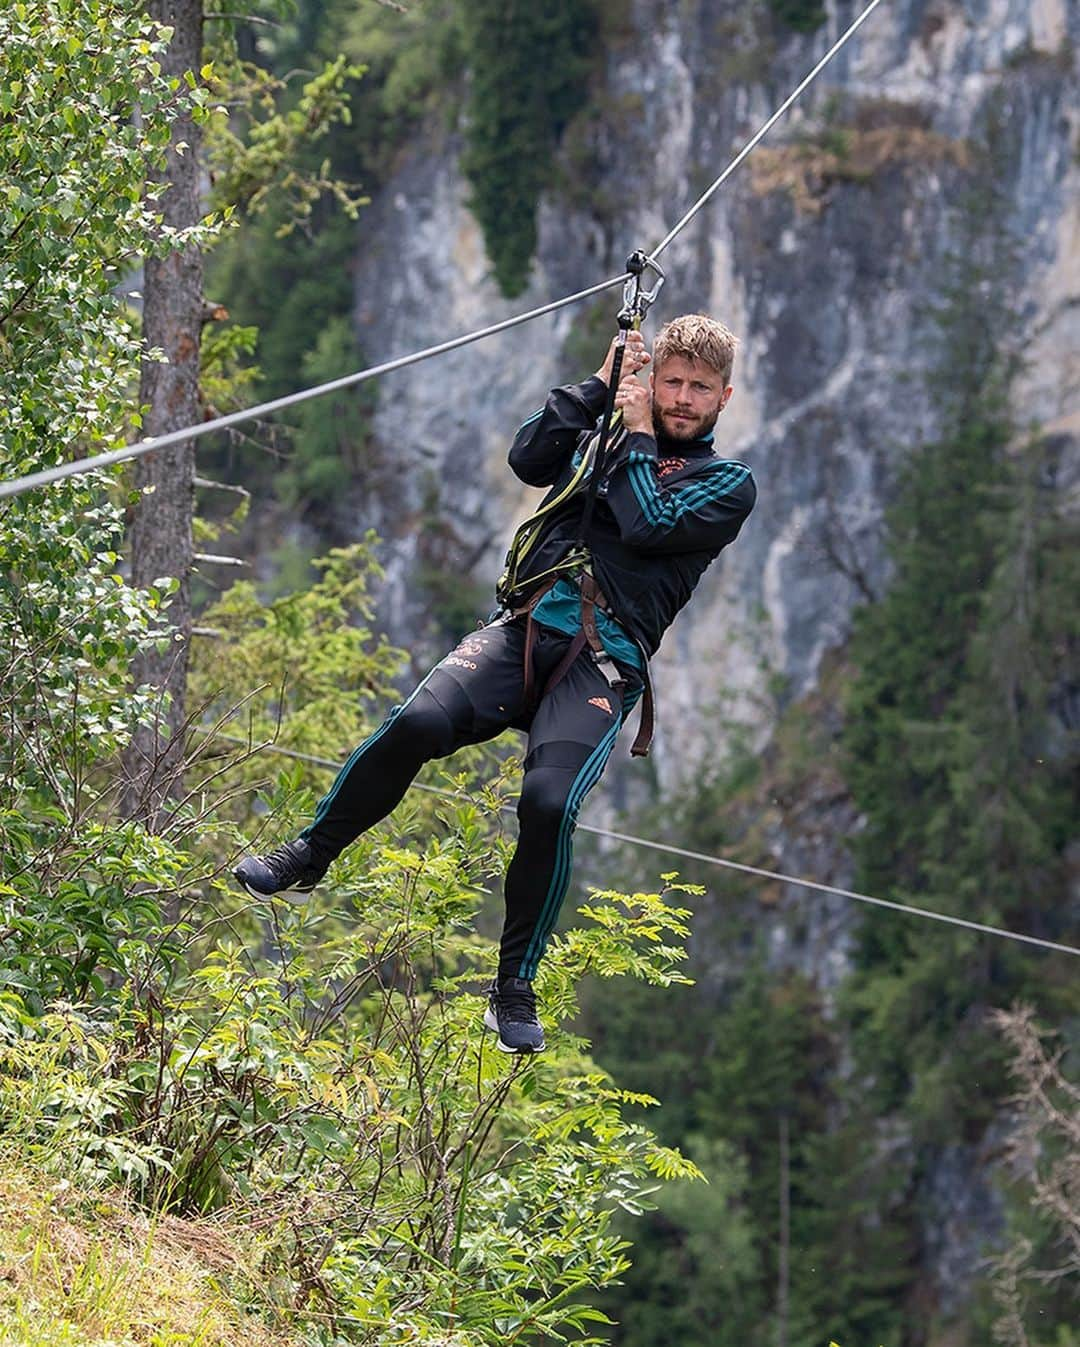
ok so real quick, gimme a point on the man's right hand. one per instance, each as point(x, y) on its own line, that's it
point(635, 357)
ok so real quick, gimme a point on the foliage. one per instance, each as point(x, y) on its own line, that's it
point(320, 1072)
point(736, 1071)
point(266, 157)
point(529, 65)
point(334, 1082)
point(78, 890)
point(304, 668)
point(292, 285)
point(84, 111)
point(693, 1257)
point(87, 113)
point(332, 434)
point(1035, 1281)
point(955, 751)
point(804, 16)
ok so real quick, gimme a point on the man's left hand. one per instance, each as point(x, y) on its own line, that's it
point(635, 402)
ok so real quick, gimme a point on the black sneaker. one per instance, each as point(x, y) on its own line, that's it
point(511, 1013)
point(290, 868)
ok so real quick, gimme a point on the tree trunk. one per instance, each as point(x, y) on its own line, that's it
point(160, 534)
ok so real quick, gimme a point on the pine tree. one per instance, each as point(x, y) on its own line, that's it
point(965, 775)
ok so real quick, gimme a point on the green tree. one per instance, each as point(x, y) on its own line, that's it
point(748, 1089)
point(528, 65)
point(84, 109)
point(955, 751)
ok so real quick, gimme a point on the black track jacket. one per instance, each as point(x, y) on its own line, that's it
point(663, 511)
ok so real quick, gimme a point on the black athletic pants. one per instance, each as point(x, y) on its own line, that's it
point(472, 695)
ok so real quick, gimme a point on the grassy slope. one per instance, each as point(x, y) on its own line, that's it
point(75, 1271)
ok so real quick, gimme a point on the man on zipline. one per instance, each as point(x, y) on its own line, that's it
point(566, 660)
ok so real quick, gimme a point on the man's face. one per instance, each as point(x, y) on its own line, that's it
point(688, 396)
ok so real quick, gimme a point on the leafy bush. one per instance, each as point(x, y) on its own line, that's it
point(340, 1088)
point(321, 1069)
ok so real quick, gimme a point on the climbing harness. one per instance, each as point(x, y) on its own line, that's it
point(512, 587)
point(520, 592)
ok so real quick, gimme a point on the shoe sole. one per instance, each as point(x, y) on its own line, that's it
point(277, 893)
point(493, 1024)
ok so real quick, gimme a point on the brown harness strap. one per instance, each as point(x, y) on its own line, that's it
point(591, 597)
point(529, 682)
point(640, 747)
point(573, 650)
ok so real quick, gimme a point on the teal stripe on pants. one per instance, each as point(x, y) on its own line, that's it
point(323, 807)
point(586, 778)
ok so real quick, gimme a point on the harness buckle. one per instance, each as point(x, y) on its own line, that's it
point(609, 669)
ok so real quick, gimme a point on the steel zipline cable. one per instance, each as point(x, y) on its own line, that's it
point(46, 476)
point(707, 195)
point(721, 862)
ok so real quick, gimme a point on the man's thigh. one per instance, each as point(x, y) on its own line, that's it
point(480, 683)
point(576, 724)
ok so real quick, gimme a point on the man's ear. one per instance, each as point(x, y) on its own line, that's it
point(726, 395)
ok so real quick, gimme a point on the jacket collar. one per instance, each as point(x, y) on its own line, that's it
point(669, 448)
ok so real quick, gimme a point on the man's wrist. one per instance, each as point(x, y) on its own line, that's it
point(594, 390)
point(641, 443)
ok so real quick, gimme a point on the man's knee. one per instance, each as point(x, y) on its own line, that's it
point(544, 804)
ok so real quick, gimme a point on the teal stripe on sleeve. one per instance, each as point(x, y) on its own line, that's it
point(529, 420)
point(666, 509)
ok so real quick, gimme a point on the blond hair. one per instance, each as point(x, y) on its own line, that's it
point(697, 337)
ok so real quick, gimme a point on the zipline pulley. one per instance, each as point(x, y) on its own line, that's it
point(637, 301)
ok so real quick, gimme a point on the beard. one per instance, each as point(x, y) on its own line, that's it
point(690, 429)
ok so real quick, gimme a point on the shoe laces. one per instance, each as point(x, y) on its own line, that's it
point(284, 861)
point(518, 1004)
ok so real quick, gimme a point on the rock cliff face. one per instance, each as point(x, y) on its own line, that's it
point(826, 252)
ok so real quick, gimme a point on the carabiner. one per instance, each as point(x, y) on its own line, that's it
point(636, 300)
